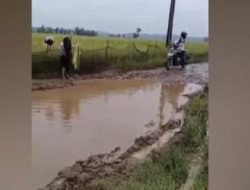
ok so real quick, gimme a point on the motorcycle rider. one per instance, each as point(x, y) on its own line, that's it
point(179, 46)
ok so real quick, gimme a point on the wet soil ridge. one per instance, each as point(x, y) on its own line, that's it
point(194, 73)
point(85, 174)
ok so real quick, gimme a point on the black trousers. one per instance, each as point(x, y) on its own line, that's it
point(65, 62)
point(181, 55)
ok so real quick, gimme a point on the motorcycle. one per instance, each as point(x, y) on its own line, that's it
point(173, 58)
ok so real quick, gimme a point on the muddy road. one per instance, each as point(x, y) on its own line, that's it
point(194, 73)
point(149, 108)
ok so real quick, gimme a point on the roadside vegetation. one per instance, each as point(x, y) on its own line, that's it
point(99, 54)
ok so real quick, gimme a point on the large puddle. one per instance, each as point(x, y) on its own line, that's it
point(73, 123)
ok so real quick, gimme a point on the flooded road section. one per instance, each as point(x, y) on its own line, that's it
point(73, 123)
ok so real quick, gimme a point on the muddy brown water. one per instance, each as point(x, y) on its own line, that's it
point(73, 123)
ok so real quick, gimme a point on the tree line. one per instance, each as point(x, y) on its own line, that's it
point(57, 30)
point(80, 31)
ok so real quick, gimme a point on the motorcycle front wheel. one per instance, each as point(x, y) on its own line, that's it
point(168, 63)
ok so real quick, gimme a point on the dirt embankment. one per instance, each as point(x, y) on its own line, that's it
point(194, 73)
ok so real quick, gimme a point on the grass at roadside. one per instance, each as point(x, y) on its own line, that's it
point(201, 181)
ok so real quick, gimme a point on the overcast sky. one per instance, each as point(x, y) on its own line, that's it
point(122, 16)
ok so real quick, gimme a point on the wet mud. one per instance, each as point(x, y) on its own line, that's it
point(194, 73)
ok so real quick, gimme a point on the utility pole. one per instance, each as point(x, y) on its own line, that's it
point(170, 23)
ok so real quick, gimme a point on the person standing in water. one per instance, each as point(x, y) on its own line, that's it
point(66, 57)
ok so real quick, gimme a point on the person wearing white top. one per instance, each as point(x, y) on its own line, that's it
point(179, 46)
